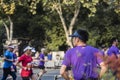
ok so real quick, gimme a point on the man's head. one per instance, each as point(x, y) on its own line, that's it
point(42, 50)
point(114, 41)
point(79, 35)
point(28, 50)
point(11, 47)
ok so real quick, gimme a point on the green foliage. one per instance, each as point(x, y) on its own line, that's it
point(114, 4)
point(55, 38)
point(103, 26)
point(91, 5)
point(44, 28)
point(65, 4)
point(7, 8)
point(2, 37)
point(40, 29)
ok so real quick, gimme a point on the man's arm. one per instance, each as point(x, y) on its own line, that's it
point(118, 55)
point(63, 73)
point(5, 58)
point(103, 69)
point(19, 65)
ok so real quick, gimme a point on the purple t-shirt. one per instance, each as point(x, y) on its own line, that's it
point(83, 61)
point(42, 56)
point(113, 50)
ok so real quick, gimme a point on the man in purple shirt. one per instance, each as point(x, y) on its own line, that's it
point(83, 59)
point(42, 62)
point(113, 50)
point(113, 55)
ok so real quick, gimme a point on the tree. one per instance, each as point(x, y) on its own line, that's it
point(113, 4)
point(104, 25)
point(7, 9)
point(60, 6)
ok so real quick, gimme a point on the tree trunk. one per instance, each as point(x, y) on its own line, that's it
point(59, 11)
point(68, 31)
point(9, 30)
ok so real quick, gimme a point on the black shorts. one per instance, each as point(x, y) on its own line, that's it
point(89, 79)
point(41, 67)
point(7, 71)
point(25, 78)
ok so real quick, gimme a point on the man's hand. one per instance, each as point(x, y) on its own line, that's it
point(63, 72)
point(25, 68)
point(103, 69)
point(3, 59)
point(46, 60)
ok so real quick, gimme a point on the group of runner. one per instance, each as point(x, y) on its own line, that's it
point(24, 62)
point(83, 60)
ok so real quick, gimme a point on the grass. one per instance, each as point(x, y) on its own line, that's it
point(108, 76)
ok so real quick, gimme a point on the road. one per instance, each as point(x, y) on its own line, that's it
point(50, 75)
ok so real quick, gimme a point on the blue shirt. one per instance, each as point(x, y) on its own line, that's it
point(8, 55)
point(83, 61)
point(49, 56)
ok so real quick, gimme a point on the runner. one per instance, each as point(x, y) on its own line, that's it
point(83, 59)
point(8, 63)
point(26, 60)
point(42, 63)
point(15, 58)
point(49, 55)
point(113, 56)
point(104, 50)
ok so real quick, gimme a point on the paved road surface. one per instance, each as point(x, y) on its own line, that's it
point(50, 75)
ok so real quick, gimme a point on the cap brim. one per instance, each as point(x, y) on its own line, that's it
point(76, 35)
point(73, 36)
point(11, 47)
point(33, 51)
point(27, 48)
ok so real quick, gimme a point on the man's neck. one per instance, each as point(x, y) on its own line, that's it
point(82, 44)
point(26, 54)
point(114, 45)
point(9, 50)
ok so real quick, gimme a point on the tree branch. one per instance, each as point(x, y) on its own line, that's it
point(7, 30)
point(59, 11)
point(11, 28)
point(76, 13)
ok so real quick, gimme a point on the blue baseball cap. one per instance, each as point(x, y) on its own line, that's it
point(75, 34)
point(81, 34)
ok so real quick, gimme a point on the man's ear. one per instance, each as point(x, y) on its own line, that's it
point(78, 40)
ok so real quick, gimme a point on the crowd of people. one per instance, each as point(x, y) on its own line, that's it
point(24, 62)
point(82, 62)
